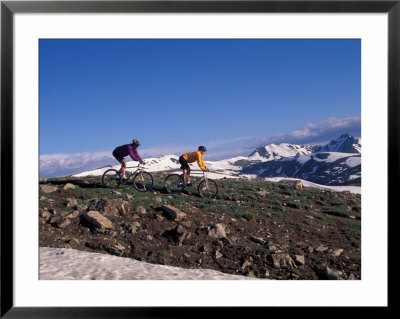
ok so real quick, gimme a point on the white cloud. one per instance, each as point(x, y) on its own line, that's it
point(310, 133)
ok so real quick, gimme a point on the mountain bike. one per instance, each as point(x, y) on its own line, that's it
point(142, 181)
point(174, 184)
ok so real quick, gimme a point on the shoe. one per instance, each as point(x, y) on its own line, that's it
point(124, 178)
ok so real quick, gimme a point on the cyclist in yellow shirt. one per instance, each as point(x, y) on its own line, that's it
point(192, 157)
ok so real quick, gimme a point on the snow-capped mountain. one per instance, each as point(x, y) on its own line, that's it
point(337, 163)
point(345, 144)
point(275, 152)
point(327, 168)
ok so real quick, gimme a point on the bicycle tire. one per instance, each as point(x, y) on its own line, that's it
point(143, 181)
point(111, 178)
point(208, 189)
point(173, 184)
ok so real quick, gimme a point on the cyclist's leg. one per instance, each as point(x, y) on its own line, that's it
point(188, 175)
point(121, 160)
point(123, 166)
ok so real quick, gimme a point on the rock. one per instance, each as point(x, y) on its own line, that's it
point(186, 224)
point(204, 249)
point(266, 274)
point(310, 249)
point(300, 260)
point(134, 227)
point(149, 237)
point(218, 255)
point(46, 215)
point(48, 188)
point(158, 199)
point(283, 261)
point(74, 214)
point(178, 230)
point(217, 231)
point(173, 213)
point(272, 248)
point(297, 184)
point(257, 240)
point(245, 264)
point(263, 193)
point(71, 202)
point(217, 245)
point(129, 197)
point(321, 249)
point(69, 186)
point(117, 249)
point(336, 252)
point(251, 274)
point(98, 220)
point(141, 210)
point(60, 222)
point(118, 193)
point(127, 227)
point(109, 207)
point(42, 198)
point(331, 274)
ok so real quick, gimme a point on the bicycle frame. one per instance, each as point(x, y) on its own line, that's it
point(139, 169)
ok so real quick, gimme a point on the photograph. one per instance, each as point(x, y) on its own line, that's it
point(200, 159)
point(171, 158)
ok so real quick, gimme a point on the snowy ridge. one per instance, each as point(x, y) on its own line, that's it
point(339, 166)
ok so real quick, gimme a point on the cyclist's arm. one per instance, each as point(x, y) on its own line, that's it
point(134, 154)
point(201, 163)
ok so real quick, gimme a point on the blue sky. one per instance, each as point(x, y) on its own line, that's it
point(173, 95)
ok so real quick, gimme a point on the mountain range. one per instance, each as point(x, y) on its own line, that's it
point(336, 163)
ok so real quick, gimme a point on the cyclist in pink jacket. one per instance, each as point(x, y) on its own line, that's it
point(124, 150)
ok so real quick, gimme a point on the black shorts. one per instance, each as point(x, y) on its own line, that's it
point(117, 156)
point(184, 163)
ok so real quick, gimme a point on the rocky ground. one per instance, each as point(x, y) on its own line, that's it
point(253, 228)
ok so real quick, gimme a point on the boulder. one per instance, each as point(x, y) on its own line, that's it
point(217, 231)
point(74, 214)
point(218, 255)
point(258, 240)
point(141, 210)
point(46, 215)
point(336, 252)
point(98, 220)
point(245, 264)
point(331, 274)
point(283, 261)
point(172, 213)
point(321, 249)
point(69, 186)
point(71, 202)
point(158, 199)
point(300, 260)
point(109, 207)
point(60, 222)
point(48, 188)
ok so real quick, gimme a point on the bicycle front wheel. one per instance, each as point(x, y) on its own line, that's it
point(208, 189)
point(174, 183)
point(111, 178)
point(143, 181)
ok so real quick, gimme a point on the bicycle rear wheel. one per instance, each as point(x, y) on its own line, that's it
point(111, 178)
point(143, 181)
point(174, 183)
point(208, 189)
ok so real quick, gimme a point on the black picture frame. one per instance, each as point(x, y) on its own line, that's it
point(9, 8)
